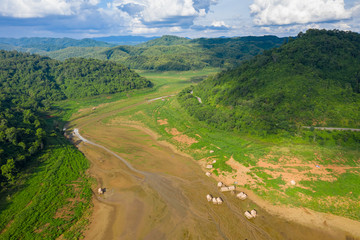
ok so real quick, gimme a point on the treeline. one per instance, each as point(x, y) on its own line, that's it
point(38, 44)
point(29, 84)
point(180, 54)
point(83, 77)
point(44, 79)
point(312, 80)
point(231, 119)
point(21, 136)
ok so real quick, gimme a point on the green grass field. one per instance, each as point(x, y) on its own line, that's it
point(51, 199)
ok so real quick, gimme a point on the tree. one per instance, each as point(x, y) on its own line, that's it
point(40, 133)
point(8, 170)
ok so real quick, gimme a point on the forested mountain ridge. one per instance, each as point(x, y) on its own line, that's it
point(38, 44)
point(29, 84)
point(166, 40)
point(310, 81)
point(124, 40)
point(164, 53)
point(176, 53)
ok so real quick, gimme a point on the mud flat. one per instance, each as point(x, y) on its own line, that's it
point(165, 197)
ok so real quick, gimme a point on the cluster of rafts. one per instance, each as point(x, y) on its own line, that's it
point(242, 196)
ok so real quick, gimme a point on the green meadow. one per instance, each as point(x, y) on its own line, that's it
point(51, 199)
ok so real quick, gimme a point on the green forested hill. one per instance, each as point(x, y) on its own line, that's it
point(29, 84)
point(175, 53)
point(40, 45)
point(73, 52)
point(124, 40)
point(166, 40)
point(310, 81)
point(79, 77)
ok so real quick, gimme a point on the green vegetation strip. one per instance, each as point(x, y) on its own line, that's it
point(51, 199)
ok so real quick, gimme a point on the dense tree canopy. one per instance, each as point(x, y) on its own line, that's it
point(29, 84)
point(38, 44)
point(312, 80)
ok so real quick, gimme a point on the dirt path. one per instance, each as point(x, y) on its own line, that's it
point(161, 195)
point(333, 128)
point(77, 134)
point(158, 98)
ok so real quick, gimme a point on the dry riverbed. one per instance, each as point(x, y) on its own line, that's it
point(166, 197)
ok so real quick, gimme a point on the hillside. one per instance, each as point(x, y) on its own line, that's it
point(40, 45)
point(29, 85)
point(124, 40)
point(166, 40)
point(310, 81)
point(175, 53)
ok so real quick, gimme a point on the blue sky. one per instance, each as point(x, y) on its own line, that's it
point(188, 18)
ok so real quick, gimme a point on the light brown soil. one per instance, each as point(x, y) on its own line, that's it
point(168, 201)
point(181, 138)
point(240, 174)
point(292, 168)
point(303, 216)
point(6, 227)
point(286, 167)
point(172, 131)
point(307, 217)
point(162, 121)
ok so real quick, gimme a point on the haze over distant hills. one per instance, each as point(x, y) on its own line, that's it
point(124, 40)
point(40, 45)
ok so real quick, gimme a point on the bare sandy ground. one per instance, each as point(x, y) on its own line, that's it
point(304, 216)
point(167, 200)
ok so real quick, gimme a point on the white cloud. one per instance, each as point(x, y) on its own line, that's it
point(283, 12)
point(163, 9)
point(219, 24)
point(175, 29)
point(42, 8)
point(356, 10)
point(144, 30)
point(342, 26)
point(111, 16)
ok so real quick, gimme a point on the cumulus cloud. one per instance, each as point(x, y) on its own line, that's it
point(204, 4)
point(132, 8)
point(168, 12)
point(283, 12)
point(215, 25)
point(219, 24)
point(42, 8)
point(162, 10)
point(107, 16)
